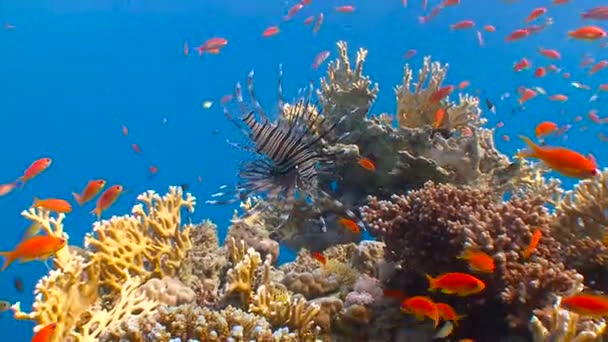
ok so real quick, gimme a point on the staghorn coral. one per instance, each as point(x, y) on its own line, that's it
point(346, 90)
point(414, 109)
point(448, 219)
point(556, 324)
point(149, 243)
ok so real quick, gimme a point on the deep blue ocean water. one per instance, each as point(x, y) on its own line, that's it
point(71, 74)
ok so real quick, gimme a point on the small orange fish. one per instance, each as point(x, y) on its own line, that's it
point(90, 191)
point(521, 65)
point(447, 313)
point(540, 72)
point(517, 35)
point(533, 243)
point(7, 188)
point(463, 84)
point(545, 128)
point(186, 49)
point(440, 94)
point(319, 257)
point(478, 260)
point(367, 164)
point(460, 284)
point(465, 24)
point(420, 307)
point(439, 116)
point(106, 199)
point(558, 97)
point(586, 304)
point(45, 334)
point(489, 28)
point(271, 31)
point(34, 170)
point(345, 9)
point(564, 161)
point(588, 33)
point(40, 247)
point(536, 13)
point(125, 130)
point(136, 148)
point(526, 96)
point(350, 225)
point(53, 204)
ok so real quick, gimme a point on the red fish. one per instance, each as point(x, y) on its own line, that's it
point(367, 164)
point(350, 225)
point(45, 334)
point(558, 97)
point(478, 260)
point(517, 35)
point(460, 284)
point(318, 23)
point(7, 188)
point(521, 65)
point(440, 94)
point(40, 247)
point(136, 148)
point(534, 240)
point(564, 161)
point(293, 11)
point(319, 257)
point(271, 31)
point(588, 33)
point(106, 199)
point(34, 170)
point(526, 96)
point(465, 24)
point(91, 190)
point(345, 9)
point(309, 20)
point(597, 13)
point(586, 304)
point(489, 28)
point(420, 307)
point(536, 13)
point(550, 53)
point(599, 66)
point(540, 72)
point(319, 59)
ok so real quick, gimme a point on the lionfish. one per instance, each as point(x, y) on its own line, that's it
point(288, 153)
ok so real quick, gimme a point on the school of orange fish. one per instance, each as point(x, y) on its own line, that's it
point(570, 163)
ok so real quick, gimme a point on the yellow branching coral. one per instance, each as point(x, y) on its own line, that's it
point(241, 277)
point(414, 109)
point(148, 243)
point(529, 179)
point(345, 90)
point(583, 210)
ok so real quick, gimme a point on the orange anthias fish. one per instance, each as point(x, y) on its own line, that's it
point(34, 170)
point(367, 164)
point(447, 313)
point(478, 260)
point(545, 128)
point(588, 33)
point(565, 161)
point(53, 204)
point(440, 94)
point(40, 247)
point(533, 243)
point(350, 225)
point(586, 304)
point(439, 116)
point(90, 191)
point(536, 13)
point(420, 307)
point(45, 334)
point(460, 284)
point(319, 257)
point(107, 199)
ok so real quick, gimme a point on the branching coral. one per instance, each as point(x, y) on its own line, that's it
point(346, 90)
point(148, 243)
point(448, 219)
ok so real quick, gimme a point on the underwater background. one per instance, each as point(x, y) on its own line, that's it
point(72, 73)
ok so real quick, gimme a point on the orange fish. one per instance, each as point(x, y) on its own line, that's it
point(125, 130)
point(106, 199)
point(540, 72)
point(588, 33)
point(439, 116)
point(136, 148)
point(319, 257)
point(521, 65)
point(533, 243)
point(45, 334)
point(350, 225)
point(463, 84)
point(536, 13)
point(550, 53)
point(7, 188)
point(90, 191)
point(318, 23)
point(420, 307)
point(34, 170)
point(517, 35)
point(186, 49)
point(460, 284)
point(478, 260)
point(586, 304)
point(367, 164)
point(447, 313)
point(39, 247)
point(489, 28)
point(558, 97)
point(440, 94)
point(527, 95)
point(271, 31)
point(465, 24)
point(565, 161)
point(309, 20)
point(53, 204)
point(598, 66)
point(545, 128)
point(345, 9)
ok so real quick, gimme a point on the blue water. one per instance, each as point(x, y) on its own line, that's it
point(71, 75)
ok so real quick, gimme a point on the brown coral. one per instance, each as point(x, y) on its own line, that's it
point(427, 229)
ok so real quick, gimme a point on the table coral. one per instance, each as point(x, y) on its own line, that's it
point(448, 219)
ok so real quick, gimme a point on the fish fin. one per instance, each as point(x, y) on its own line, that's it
point(8, 259)
point(533, 149)
point(35, 202)
point(77, 198)
point(432, 285)
point(96, 212)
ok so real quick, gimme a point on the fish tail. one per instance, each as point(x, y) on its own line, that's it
point(77, 198)
point(97, 212)
point(432, 283)
point(435, 317)
point(35, 202)
point(532, 152)
point(8, 259)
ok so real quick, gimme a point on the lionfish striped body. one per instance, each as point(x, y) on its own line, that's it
point(288, 153)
